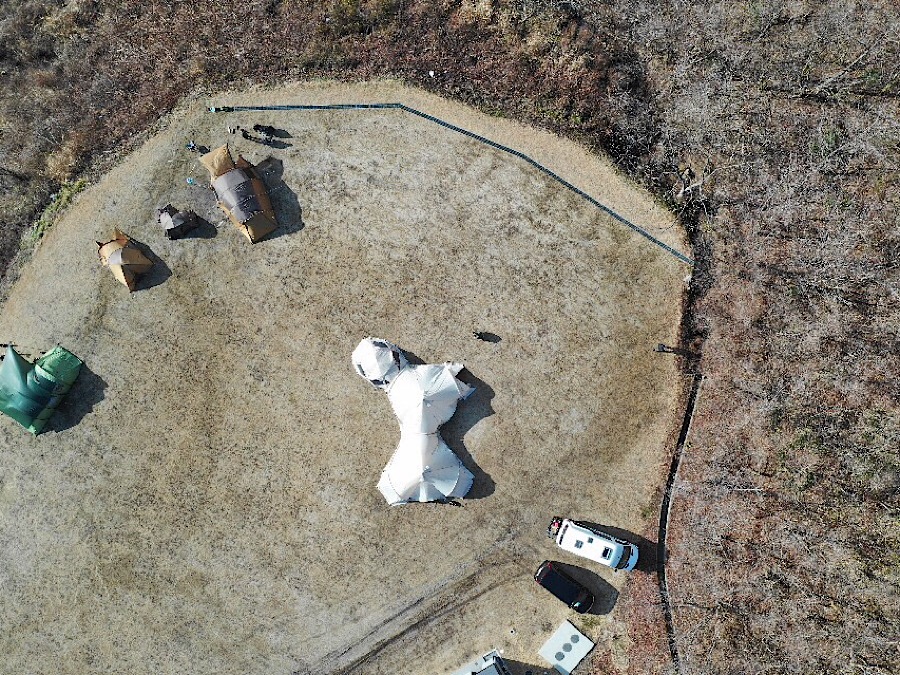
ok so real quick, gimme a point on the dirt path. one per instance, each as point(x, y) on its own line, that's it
point(207, 502)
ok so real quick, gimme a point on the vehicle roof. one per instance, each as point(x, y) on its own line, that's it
point(559, 583)
point(582, 541)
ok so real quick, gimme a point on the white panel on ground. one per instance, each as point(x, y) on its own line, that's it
point(565, 648)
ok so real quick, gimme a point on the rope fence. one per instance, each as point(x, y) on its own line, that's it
point(477, 137)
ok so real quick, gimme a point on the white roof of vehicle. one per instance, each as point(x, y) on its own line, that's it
point(584, 542)
point(489, 664)
point(566, 648)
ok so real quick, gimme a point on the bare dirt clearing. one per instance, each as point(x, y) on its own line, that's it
point(207, 500)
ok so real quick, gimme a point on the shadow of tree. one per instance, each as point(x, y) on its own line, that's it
point(605, 594)
point(86, 392)
point(288, 211)
point(648, 558)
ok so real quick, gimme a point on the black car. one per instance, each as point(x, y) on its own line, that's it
point(564, 587)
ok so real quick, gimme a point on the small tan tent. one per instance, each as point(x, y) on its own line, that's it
point(124, 259)
point(241, 192)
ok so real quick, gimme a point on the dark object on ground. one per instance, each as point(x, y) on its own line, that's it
point(265, 139)
point(271, 132)
point(264, 129)
point(486, 337)
point(449, 502)
point(176, 223)
point(221, 108)
point(665, 349)
point(563, 587)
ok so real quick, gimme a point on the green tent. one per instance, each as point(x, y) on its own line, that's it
point(30, 392)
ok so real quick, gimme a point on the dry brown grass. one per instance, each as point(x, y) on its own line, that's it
point(208, 502)
point(770, 126)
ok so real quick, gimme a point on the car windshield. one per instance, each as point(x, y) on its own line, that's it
point(626, 556)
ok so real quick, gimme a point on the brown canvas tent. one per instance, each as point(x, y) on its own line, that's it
point(124, 259)
point(241, 192)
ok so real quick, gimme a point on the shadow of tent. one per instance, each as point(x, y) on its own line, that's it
point(86, 392)
point(158, 274)
point(285, 202)
point(469, 413)
point(273, 142)
point(648, 558)
point(605, 594)
point(204, 230)
point(274, 132)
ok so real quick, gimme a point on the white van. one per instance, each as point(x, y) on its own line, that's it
point(590, 543)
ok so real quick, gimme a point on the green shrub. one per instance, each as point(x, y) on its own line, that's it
point(63, 198)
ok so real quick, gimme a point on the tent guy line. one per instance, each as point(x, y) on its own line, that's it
point(503, 148)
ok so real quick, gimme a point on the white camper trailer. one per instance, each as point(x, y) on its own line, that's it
point(593, 544)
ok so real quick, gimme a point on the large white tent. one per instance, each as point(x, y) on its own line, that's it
point(423, 468)
point(424, 397)
point(378, 361)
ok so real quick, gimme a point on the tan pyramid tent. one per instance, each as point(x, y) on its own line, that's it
point(241, 192)
point(124, 259)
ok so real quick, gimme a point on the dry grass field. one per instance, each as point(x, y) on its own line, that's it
point(205, 501)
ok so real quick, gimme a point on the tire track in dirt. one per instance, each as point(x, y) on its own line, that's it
point(446, 598)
